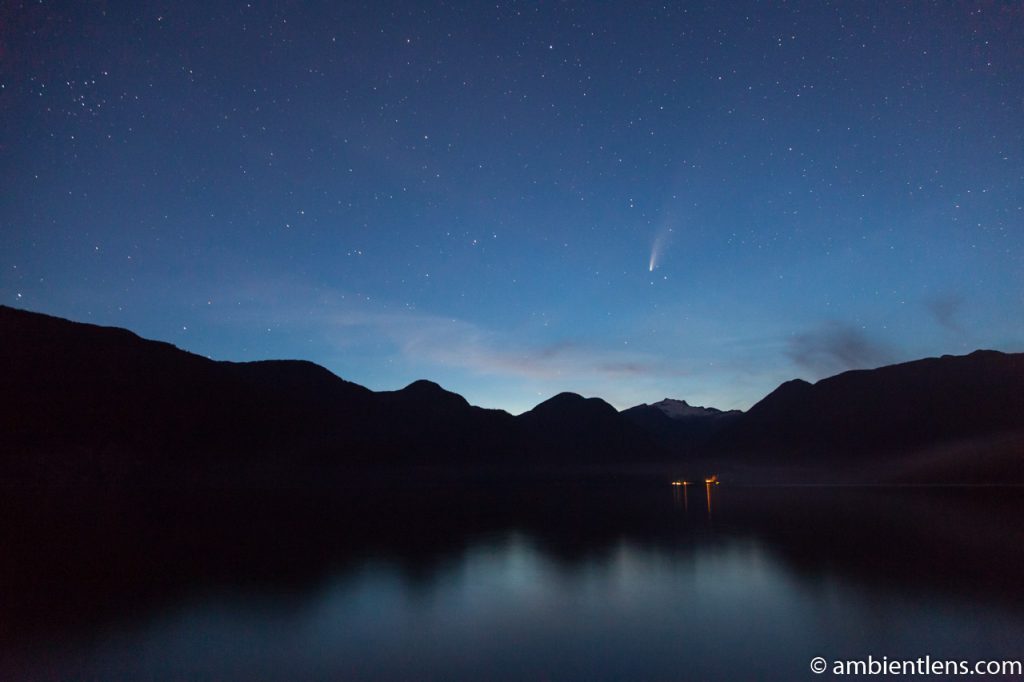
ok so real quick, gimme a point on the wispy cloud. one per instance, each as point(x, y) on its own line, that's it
point(944, 309)
point(344, 321)
point(451, 342)
point(836, 347)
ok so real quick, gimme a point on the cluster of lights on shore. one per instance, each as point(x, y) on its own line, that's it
point(711, 480)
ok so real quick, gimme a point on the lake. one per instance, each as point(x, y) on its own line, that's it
point(572, 580)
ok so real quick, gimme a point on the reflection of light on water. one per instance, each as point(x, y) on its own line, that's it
point(546, 604)
point(708, 482)
point(679, 495)
point(677, 485)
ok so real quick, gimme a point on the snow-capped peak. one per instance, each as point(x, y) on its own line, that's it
point(678, 409)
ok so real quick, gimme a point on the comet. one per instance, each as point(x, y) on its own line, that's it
point(657, 247)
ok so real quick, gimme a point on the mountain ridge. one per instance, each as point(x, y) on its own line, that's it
point(85, 398)
point(93, 403)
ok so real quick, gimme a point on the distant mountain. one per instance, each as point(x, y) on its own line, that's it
point(83, 402)
point(679, 427)
point(98, 404)
point(425, 424)
point(680, 409)
point(967, 402)
point(572, 424)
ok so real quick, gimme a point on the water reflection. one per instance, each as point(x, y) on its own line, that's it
point(680, 495)
point(563, 581)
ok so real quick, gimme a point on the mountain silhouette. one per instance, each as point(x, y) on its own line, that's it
point(954, 417)
point(678, 426)
point(85, 402)
point(569, 423)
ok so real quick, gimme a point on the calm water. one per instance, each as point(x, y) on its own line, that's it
point(570, 581)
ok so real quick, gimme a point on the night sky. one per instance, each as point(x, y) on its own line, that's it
point(628, 200)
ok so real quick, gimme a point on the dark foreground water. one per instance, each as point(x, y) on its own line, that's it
point(584, 580)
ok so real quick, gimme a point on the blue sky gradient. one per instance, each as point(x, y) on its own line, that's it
point(476, 193)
